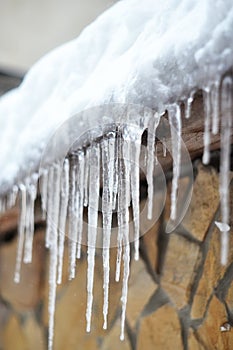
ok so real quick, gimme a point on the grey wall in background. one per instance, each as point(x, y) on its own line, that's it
point(30, 28)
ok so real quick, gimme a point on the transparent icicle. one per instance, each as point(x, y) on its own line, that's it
point(73, 216)
point(164, 147)
point(21, 232)
point(135, 148)
point(215, 106)
point(2, 205)
point(107, 196)
point(207, 108)
point(11, 198)
point(44, 192)
point(123, 211)
point(94, 183)
point(119, 208)
point(115, 179)
point(80, 191)
point(226, 112)
point(55, 189)
point(29, 234)
point(49, 196)
point(174, 116)
point(62, 216)
point(188, 105)
point(86, 177)
point(153, 124)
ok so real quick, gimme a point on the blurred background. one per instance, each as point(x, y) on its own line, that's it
point(30, 28)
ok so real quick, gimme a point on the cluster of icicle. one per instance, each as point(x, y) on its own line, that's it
point(70, 185)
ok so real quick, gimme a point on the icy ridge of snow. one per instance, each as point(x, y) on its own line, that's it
point(134, 53)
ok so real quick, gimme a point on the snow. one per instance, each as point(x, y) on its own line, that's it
point(116, 80)
point(133, 53)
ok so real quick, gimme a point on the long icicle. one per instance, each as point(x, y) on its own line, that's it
point(55, 189)
point(80, 189)
point(215, 105)
point(108, 166)
point(226, 111)
point(29, 235)
point(135, 148)
point(73, 216)
point(174, 115)
point(153, 124)
point(62, 217)
point(124, 190)
point(119, 208)
point(49, 200)
point(94, 180)
point(44, 191)
point(21, 232)
point(207, 108)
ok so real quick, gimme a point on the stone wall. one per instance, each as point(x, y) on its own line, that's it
point(179, 294)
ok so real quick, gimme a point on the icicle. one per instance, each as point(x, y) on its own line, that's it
point(44, 192)
point(123, 212)
point(73, 216)
point(120, 171)
point(49, 196)
point(164, 147)
point(215, 107)
point(135, 191)
point(226, 112)
point(21, 229)
point(62, 216)
point(2, 205)
point(153, 124)
point(108, 166)
point(222, 227)
point(115, 179)
point(80, 191)
point(53, 252)
point(207, 107)
point(188, 105)
point(29, 235)
point(94, 180)
point(11, 198)
point(86, 177)
point(174, 116)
